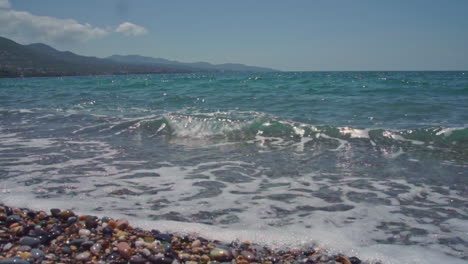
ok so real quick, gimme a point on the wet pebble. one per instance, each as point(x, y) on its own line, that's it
point(14, 261)
point(91, 222)
point(72, 220)
point(124, 249)
point(37, 253)
point(160, 260)
point(122, 224)
point(220, 254)
point(64, 215)
point(355, 260)
point(250, 256)
point(137, 260)
point(30, 241)
point(7, 246)
point(83, 256)
point(84, 232)
point(96, 248)
point(24, 248)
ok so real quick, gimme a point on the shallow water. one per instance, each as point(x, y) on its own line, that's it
point(370, 163)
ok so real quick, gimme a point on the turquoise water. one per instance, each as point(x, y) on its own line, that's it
point(365, 162)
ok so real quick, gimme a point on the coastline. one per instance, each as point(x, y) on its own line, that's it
point(61, 236)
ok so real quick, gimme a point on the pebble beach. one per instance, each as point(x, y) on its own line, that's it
point(62, 236)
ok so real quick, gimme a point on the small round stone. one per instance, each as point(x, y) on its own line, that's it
point(66, 214)
point(160, 260)
point(37, 253)
point(137, 260)
point(14, 261)
point(84, 232)
point(96, 248)
point(220, 254)
point(83, 256)
point(30, 241)
point(124, 249)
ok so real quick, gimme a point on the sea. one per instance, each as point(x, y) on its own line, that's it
point(369, 164)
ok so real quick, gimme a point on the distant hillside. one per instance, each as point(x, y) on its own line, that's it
point(38, 59)
point(196, 66)
point(18, 60)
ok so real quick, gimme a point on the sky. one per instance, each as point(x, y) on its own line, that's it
point(294, 35)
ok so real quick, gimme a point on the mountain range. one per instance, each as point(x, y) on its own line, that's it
point(35, 60)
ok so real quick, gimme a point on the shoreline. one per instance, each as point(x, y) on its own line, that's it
point(30, 236)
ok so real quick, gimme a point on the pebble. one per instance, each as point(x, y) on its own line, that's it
point(25, 255)
point(91, 222)
point(220, 254)
point(122, 224)
point(355, 260)
point(37, 253)
point(84, 232)
point(196, 243)
point(7, 246)
point(83, 256)
point(72, 220)
point(250, 256)
point(14, 261)
point(124, 249)
point(55, 212)
point(96, 248)
point(66, 214)
point(137, 260)
point(160, 260)
point(24, 248)
point(30, 241)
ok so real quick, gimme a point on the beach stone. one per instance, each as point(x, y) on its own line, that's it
point(342, 260)
point(137, 260)
point(37, 253)
point(113, 256)
point(250, 256)
point(87, 245)
point(107, 230)
point(55, 212)
point(31, 214)
point(77, 242)
point(13, 219)
point(24, 248)
point(83, 256)
point(7, 246)
point(84, 232)
point(66, 214)
point(124, 249)
point(91, 222)
point(355, 260)
point(163, 237)
point(30, 241)
point(160, 260)
point(72, 220)
point(145, 252)
point(196, 243)
point(96, 248)
point(220, 254)
point(122, 224)
point(25, 255)
point(14, 261)
point(66, 250)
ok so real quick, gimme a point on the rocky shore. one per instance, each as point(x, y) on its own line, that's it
point(28, 236)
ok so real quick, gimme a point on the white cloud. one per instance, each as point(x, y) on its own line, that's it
point(5, 4)
point(26, 27)
point(130, 29)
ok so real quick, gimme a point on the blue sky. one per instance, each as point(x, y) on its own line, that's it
point(302, 35)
